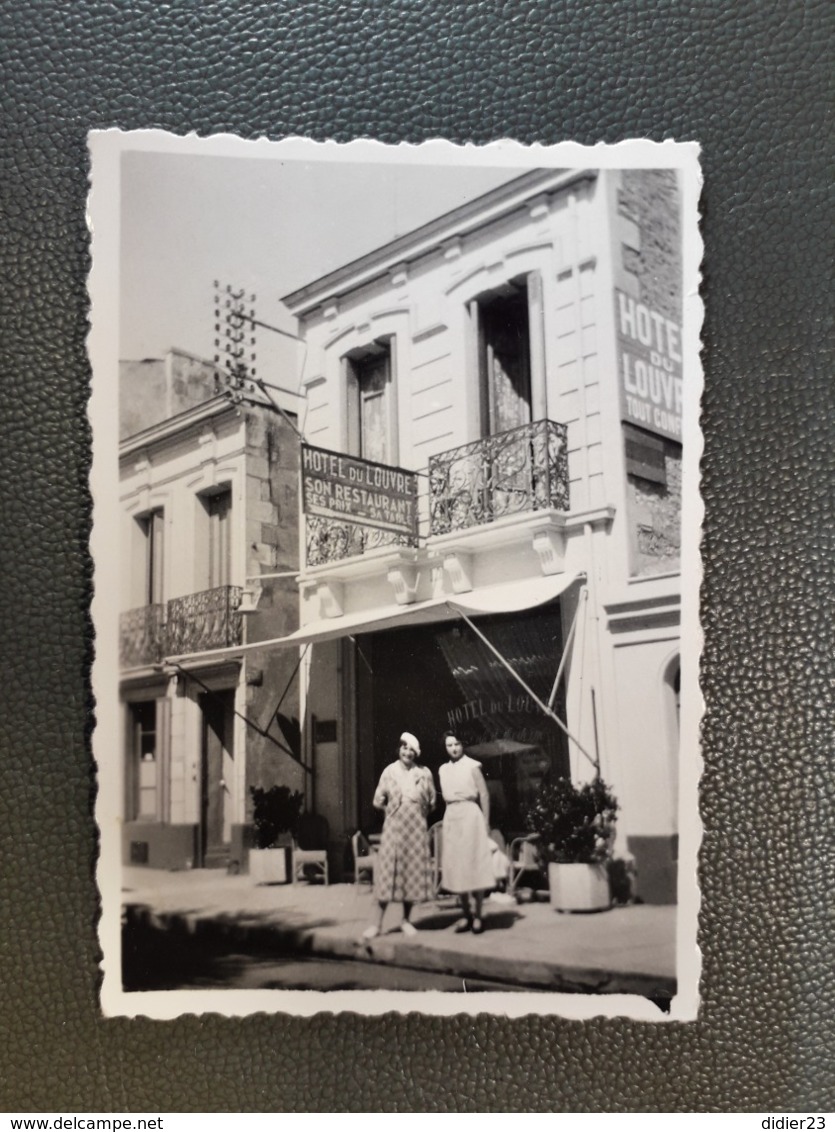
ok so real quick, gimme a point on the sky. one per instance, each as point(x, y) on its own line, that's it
point(267, 226)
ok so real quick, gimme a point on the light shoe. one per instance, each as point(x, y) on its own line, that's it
point(371, 933)
point(463, 925)
point(408, 928)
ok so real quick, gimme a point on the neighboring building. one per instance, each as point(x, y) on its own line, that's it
point(521, 353)
point(209, 501)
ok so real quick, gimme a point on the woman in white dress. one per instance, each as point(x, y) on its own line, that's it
point(466, 853)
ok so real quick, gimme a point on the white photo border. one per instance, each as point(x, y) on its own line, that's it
point(104, 220)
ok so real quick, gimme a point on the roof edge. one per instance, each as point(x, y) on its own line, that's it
point(466, 218)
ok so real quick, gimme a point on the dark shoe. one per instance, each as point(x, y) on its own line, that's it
point(478, 926)
point(462, 925)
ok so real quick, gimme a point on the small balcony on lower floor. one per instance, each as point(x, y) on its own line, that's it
point(511, 473)
point(206, 620)
point(193, 623)
point(334, 540)
point(142, 636)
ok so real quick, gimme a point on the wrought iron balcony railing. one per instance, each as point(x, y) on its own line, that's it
point(524, 469)
point(141, 636)
point(331, 540)
point(206, 620)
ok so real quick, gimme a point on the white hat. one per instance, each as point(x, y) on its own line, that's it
point(408, 738)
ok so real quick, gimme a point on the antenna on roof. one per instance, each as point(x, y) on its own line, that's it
point(234, 324)
point(234, 319)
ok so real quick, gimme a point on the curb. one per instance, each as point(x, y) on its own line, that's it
point(304, 942)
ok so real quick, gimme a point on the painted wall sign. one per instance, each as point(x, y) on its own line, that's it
point(649, 365)
point(338, 486)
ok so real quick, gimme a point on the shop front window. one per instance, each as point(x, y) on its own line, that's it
point(144, 761)
point(434, 678)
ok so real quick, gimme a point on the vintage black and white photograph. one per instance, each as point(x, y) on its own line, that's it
point(396, 541)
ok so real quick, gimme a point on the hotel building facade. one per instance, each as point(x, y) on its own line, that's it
point(491, 487)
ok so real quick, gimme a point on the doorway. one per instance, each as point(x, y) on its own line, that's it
point(216, 776)
point(430, 678)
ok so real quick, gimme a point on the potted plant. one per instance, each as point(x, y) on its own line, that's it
point(575, 826)
point(275, 815)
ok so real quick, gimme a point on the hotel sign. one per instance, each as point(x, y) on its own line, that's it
point(337, 486)
point(649, 367)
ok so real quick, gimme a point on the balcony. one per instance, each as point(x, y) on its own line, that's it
point(207, 620)
point(332, 540)
point(194, 623)
point(141, 636)
point(519, 471)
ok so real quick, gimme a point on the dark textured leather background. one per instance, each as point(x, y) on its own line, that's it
point(751, 81)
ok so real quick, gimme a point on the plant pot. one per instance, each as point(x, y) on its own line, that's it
point(579, 888)
point(269, 866)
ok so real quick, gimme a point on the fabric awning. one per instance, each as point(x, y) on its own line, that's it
point(504, 597)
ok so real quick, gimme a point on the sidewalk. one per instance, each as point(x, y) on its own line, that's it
point(625, 950)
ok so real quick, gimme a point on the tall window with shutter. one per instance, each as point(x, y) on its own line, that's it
point(372, 428)
point(219, 557)
point(502, 323)
point(152, 527)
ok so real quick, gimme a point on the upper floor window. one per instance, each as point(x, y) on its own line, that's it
point(218, 538)
point(372, 426)
point(152, 527)
point(502, 323)
point(645, 455)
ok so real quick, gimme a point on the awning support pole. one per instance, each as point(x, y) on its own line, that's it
point(548, 711)
point(564, 656)
point(596, 742)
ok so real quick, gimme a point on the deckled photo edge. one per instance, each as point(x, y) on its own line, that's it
point(438, 573)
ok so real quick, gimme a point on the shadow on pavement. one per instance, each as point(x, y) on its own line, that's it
point(177, 956)
point(443, 921)
point(184, 952)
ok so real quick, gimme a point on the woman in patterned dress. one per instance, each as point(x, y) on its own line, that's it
point(402, 870)
point(466, 852)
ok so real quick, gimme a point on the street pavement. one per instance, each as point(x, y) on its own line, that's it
point(527, 946)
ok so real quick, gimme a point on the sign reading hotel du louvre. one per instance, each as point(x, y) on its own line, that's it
point(338, 486)
point(649, 365)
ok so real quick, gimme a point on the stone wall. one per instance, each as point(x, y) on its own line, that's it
point(142, 395)
point(649, 199)
point(152, 390)
point(272, 533)
point(656, 511)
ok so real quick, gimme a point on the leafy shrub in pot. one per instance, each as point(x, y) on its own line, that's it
point(275, 814)
point(575, 827)
point(575, 824)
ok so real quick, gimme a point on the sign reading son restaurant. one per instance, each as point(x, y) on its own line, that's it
point(649, 363)
point(344, 487)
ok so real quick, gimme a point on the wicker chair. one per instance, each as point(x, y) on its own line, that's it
point(364, 858)
point(310, 848)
